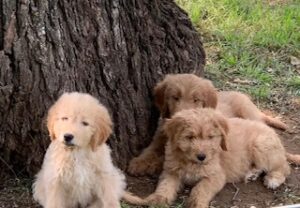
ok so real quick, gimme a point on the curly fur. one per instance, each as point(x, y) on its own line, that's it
point(232, 148)
point(187, 91)
point(79, 172)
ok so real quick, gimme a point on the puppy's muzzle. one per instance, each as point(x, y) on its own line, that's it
point(68, 139)
point(201, 157)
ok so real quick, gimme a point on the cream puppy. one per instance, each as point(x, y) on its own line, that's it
point(77, 170)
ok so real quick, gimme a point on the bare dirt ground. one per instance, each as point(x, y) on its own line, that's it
point(16, 193)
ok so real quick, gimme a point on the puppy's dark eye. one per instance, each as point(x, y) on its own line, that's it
point(176, 98)
point(211, 136)
point(190, 137)
point(64, 118)
point(196, 100)
point(85, 123)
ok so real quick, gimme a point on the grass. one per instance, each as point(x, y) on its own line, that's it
point(250, 44)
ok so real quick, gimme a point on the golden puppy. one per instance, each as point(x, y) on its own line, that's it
point(185, 91)
point(77, 169)
point(207, 150)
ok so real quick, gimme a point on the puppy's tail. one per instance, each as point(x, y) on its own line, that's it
point(274, 122)
point(133, 199)
point(293, 158)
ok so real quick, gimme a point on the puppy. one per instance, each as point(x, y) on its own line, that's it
point(185, 91)
point(77, 170)
point(207, 150)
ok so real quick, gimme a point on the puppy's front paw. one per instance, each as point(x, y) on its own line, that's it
point(272, 183)
point(194, 203)
point(157, 200)
point(140, 166)
point(274, 179)
point(114, 205)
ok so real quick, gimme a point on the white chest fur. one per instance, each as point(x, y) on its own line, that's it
point(75, 171)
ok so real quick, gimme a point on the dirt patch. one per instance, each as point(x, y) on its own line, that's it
point(16, 193)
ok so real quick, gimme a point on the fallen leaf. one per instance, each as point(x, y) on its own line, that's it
point(269, 69)
point(242, 81)
point(295, 61)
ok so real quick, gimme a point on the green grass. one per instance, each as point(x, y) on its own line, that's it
point(249, 40)
point(295, 82)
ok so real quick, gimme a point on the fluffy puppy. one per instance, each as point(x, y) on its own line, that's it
point(235, 104)
point(185, 91)
point(207, 150)
point(77, 170)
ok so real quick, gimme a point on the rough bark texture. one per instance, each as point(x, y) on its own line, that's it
point(115, 50)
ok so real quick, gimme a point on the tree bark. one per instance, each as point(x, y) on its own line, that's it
point(115, 50)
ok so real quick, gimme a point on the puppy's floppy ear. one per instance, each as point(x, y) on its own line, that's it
point(223, 126)
point(103, 128)
point(173, 125)
point(50, 121)
point(210, 94)
point(159, 99)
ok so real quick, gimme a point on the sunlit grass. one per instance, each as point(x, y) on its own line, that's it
point(249, 39)
point(247, 21)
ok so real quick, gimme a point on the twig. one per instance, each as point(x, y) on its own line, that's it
point(5, 163)
point(236, 192)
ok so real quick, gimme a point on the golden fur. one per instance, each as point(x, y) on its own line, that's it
point(77, 168)
point(185, 91)
point(207, 150)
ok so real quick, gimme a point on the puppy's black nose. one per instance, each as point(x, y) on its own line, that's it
point(201, 157)
point(68, 137)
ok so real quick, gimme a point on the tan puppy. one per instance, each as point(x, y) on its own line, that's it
point(207, 150)
point(185, 91)
point(77, 169)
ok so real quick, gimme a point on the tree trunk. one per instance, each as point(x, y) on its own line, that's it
point(115, 50)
